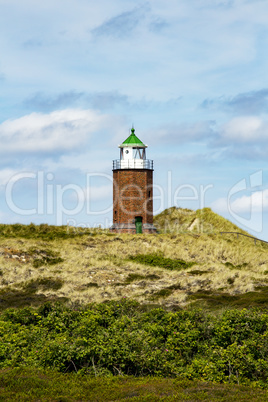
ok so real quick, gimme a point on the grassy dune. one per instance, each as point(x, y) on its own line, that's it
point(188, 263)
point(183, 220)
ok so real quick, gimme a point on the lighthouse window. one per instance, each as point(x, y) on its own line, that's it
point(127, 151)
point(137, 153)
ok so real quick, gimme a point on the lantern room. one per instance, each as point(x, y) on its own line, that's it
point(132, 154)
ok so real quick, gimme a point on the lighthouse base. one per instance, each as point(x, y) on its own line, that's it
point(131, 228)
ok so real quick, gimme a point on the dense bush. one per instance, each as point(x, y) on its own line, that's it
point(158, 260)
point(123, 337)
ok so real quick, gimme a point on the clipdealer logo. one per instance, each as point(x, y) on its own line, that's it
point(250, 203)
point(49, 198)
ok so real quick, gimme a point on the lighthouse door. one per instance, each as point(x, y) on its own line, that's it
point(138, 224)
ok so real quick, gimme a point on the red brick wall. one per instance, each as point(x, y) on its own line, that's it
point(132, 195)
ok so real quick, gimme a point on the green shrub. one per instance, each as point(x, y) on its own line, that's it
point(124, 338)
point(157, 260)
point(165, 292)
point(231, 266)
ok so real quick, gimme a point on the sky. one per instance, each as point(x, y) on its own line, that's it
point(189, 75)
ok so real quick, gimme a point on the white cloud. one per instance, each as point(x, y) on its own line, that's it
point(59, 131)
point(245, 129)
point(256, 202)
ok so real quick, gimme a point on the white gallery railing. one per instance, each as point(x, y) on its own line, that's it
point(133, 164)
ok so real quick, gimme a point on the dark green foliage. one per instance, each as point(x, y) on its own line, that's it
point(92, 285)
point(125, 338)
point(1, 272)
point(165, 292)
point(198, 272)
point(230, 280)
point(231, 266)
point(240, 266)
point(136, 277)
point(157, 260)
point(162, 293)
point(214, 301)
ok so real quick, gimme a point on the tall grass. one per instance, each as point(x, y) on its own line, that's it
point(94, 265)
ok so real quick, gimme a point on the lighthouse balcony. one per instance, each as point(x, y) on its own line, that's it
point(133, 164)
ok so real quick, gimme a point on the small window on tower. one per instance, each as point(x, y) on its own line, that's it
point(135, 153)
point(149, 193)
point(115, 215)
point(143, 154)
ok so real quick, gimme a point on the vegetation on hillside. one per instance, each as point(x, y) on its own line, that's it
point(173, 269)
point(19, 385)
point(42, 232)
point(99, 304)
point(126, 338)
point(183, 220)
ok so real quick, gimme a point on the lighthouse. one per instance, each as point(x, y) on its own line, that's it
point(133, 188)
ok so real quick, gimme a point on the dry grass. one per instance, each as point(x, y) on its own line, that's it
point(97, 267)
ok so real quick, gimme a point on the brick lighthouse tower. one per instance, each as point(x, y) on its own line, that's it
point(133, 188)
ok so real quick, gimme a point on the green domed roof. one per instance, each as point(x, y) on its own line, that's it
point(133, 141)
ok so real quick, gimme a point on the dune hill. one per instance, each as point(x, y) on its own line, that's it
point(188, 262)
point(182, 220)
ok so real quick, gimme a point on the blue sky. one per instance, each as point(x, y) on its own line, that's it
point(190, 75)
